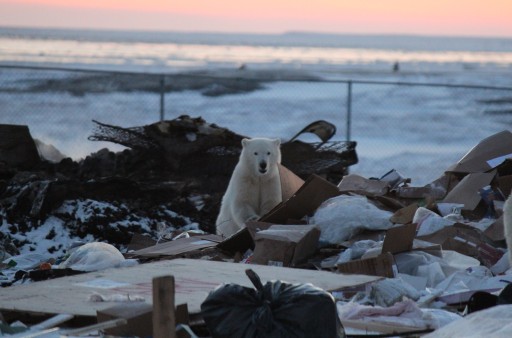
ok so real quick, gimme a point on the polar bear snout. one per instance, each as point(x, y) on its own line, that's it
point(263, 167)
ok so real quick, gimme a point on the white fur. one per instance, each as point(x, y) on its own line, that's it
point(507, 223)
point(255, 186)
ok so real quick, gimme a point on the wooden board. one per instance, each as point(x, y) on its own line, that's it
point(194, 279)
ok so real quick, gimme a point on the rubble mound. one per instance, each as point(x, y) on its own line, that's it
point(172, 176)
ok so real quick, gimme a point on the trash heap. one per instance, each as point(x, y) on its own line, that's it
point(437, 253)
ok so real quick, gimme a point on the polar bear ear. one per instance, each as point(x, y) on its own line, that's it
point(244, 142)
point(277, 141)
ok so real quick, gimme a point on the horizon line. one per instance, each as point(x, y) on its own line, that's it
point(275, 34)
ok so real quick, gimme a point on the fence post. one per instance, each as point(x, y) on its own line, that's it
point(162, 96)
point(349, 108)
point(164, 317)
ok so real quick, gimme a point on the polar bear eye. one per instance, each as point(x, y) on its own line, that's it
point(268, 152)
point(256, 153)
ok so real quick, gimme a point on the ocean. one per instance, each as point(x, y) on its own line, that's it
point(418, 130)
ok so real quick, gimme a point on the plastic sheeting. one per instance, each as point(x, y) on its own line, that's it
point(341, 217)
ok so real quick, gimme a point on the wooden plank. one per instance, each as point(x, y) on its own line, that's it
point(194, 279)
point(164, 320)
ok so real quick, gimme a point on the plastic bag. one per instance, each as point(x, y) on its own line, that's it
point(278, 309)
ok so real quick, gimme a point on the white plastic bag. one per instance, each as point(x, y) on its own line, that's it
point(339, 218)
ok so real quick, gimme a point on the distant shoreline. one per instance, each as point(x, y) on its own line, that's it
point(289, 39)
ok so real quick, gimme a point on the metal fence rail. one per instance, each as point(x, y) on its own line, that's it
point(385, 118)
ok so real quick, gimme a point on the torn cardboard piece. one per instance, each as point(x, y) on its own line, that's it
point(290, 182)
point(285, 245)
point(496, 231)
point(399, 239)
point(404, 215)
point(243, 239)
point(486, 155)
point(382, 265)
point(304, 202)
point(467, 191)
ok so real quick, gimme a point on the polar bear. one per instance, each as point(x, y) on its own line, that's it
point(254, 187)
point(507, 223)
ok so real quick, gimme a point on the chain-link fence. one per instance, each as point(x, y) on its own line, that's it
point(416, 128)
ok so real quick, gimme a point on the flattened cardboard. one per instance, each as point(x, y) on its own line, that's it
point(399, 239)
point(194, 279)
point(381, 265)
point(304, 202)
point(486, 155)
point(363, 186)
point(285, 245)
point(404, 215)
point(466, 192)
point(179, 246)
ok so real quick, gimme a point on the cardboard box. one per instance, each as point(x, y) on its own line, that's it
point(468, 241)
point(304, 202)
point(285, 245)
point(486, 155)
point(381, 265)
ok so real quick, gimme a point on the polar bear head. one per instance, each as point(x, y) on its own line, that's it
point(261, 155)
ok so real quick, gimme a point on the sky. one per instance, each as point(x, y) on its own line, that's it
point(424, 17)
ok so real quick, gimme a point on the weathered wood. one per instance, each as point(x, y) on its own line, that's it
point(164, 320)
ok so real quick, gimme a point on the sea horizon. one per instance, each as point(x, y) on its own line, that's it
point(287, 38)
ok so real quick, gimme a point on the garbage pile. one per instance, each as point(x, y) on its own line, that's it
point(438, 251)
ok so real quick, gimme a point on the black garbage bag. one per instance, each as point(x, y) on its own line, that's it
point(278, 309)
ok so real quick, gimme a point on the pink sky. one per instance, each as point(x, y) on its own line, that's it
point(431, 17)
